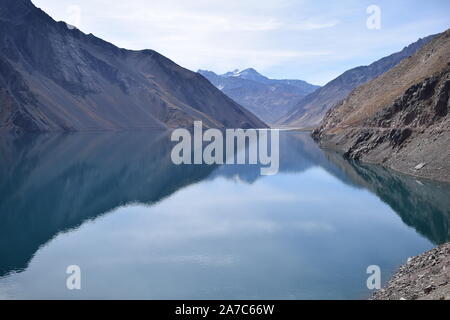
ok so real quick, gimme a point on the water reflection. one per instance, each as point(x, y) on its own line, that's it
point(50, 184)
point(421, 204)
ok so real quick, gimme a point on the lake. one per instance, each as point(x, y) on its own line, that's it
point(140, 227)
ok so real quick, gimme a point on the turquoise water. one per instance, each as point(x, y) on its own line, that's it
point(140, 227)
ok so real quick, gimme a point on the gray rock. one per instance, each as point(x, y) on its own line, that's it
point(420, 166)
point(420, 279)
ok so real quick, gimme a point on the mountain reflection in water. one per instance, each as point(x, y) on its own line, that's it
point(54, 184)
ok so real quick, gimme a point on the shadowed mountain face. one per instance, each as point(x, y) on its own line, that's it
point(267, 98)
point(53, 78)
point(50, 184)
point(310, 111)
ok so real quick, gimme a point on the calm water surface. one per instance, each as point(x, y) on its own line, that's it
point(142, 228)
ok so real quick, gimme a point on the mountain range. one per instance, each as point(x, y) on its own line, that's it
point(309, 112)
point(56, 78)
point(269, 99)
point(400, 119)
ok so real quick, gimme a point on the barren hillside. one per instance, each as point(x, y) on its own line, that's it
point(400, 119)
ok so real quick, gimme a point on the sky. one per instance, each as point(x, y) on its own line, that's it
point(312, 40)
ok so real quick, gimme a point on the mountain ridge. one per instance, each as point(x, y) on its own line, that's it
point(265, 97)
point(310, 110)
point(55, 78)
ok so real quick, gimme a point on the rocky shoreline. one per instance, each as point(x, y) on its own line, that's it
point(401, 119)
point(425, 277)
point(411, 135)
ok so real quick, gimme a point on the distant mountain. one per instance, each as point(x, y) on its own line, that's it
point(267, 98)
point(247, 74)
point(309, 112)
point(400, 119)
point(55, 78)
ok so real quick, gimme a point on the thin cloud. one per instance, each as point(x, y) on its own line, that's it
point(304, 39)
point(314, 25)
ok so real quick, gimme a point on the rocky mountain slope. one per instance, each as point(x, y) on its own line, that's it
point(424, 277)
point(53, 78)
point(267, 98)
point(400, 119)
point(310, 111)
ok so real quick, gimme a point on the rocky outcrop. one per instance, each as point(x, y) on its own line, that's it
point(55, 78)
point(269, 99)
point(401, 119)
point(310, 111)
point(425, 277)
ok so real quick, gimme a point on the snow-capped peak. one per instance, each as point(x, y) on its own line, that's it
point(248, 74)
